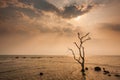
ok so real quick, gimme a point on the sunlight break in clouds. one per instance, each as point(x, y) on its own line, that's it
point(50, 26)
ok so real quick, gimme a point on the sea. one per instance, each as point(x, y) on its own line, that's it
point(54, 67)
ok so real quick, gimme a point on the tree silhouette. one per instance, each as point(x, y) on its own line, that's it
point(80, 47)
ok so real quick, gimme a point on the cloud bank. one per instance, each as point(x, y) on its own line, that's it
point(21, 21)
point(110, 27)
point(38, 16)
point(37, 6)
point(43, 16)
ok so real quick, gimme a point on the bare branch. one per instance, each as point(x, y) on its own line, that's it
point(79, 61)
point(80, 56)
point(86, 39)
point(85, 36)
point(75, 56)
point(78, 35)
point(73, 53)
point(77, 45)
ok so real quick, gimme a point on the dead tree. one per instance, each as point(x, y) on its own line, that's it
point(81, 58)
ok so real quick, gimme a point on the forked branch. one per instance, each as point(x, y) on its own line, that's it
point(86, 39)
point(84, 36)
point(75, 56)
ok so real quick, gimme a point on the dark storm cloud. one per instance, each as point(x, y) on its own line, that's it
point(73, 11)
point(11, 12)
point(9, 8)
point(32, 7)
point(69, 11)
point(44, 5)
point(110, 27)
point(22, 24)
point(16, 17)
point(6, 13)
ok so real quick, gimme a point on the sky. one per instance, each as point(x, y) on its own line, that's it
point(49, 27)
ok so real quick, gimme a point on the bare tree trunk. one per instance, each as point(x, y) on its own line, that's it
point(81, 59)
point(83, 68)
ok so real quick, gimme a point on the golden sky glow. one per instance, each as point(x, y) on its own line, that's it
point(50, 26)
